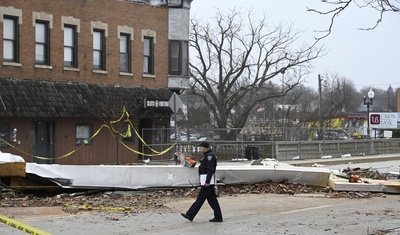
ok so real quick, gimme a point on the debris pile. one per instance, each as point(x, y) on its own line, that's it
point(369, 173)
point(140, 201)
point(269, 187)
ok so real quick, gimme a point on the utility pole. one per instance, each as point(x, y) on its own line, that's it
point(319, 110)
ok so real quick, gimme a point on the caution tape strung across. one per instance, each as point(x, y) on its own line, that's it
point(112, 130)
point(21, 226)
point(86, 207)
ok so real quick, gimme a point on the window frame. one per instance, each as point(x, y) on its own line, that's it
point(72, 48)
point(83, 138)
point(185, 58)
point(127, 54)
point(45, 44)
point(100, 50)
point(178, 57)
point(14, 40)
point(148, 58)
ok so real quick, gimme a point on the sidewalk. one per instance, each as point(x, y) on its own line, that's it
point(337, 161)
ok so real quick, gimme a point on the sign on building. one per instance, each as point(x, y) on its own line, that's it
point(384, 120)
point(154, 103)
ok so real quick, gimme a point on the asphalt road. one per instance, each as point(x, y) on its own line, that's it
point(243, 214)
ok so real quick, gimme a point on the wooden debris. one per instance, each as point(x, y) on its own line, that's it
point(13, 169)
point(364, 180)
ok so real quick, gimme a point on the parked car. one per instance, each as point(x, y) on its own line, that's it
point(177, 136)
point(204, 138)
point(331, 136)
point(343, 136)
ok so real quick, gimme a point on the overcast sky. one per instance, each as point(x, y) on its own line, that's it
point(368, 58)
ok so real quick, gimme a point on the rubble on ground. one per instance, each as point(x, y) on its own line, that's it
point(369, 173)
point(140, 201)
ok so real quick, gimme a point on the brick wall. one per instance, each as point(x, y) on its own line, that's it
point(114, 13)
point(398, 99)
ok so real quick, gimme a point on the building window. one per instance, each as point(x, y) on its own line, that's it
point(179, 58)
point(161, 134)
point(98, 50)
point(42, 55)
point(70, 49)
point(4, 135)
point(148, 56)
point(83, 134)
point(124, 53)
point(10, 39)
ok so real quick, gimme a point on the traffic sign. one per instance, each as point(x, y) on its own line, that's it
point(175, 103)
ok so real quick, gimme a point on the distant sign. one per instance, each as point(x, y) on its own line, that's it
point(384, 120)
point(154, 103)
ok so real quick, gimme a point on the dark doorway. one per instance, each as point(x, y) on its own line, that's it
point(44, 143)
point(145, 123)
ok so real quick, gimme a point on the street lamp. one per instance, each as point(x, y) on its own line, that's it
point(369, 102)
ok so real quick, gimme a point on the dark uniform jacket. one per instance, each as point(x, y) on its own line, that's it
point(208, 165)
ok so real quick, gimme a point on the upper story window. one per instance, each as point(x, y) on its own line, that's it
point(99, 50)
point(125, 53)
point(70, 46)
point(42, 44)
point(71, 28)
point(10, 39)
point(179, 58)
point(148, 56)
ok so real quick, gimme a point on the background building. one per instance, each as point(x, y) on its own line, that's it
point(69, 69)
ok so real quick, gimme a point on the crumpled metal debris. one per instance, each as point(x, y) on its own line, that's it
point(369, 173)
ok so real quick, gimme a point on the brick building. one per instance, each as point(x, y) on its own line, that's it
point(69, 68)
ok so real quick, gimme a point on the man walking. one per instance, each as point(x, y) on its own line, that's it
point(208, 165)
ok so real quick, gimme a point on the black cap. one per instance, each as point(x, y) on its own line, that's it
point(205, 144)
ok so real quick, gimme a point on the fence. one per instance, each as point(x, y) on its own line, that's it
point(281, 147)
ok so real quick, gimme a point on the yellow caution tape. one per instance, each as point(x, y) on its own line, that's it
point(21, 226)
point(147, 154)
point(112, 130)
point(97, 208)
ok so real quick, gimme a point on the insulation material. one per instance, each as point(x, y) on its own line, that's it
point(250, 174)
point(120, 176)
point(8, 157)
point(155, 176)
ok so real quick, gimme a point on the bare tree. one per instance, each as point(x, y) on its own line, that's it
point(241, 62)
point(391, 100)
point(338, 97)
point(381, 6)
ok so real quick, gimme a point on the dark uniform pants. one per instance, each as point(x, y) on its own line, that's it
point(209, 194)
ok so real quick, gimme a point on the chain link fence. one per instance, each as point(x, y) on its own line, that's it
point(279, 143)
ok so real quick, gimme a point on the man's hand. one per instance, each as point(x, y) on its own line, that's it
point(206, 185)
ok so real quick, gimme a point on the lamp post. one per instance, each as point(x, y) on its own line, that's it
point(369, 102)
